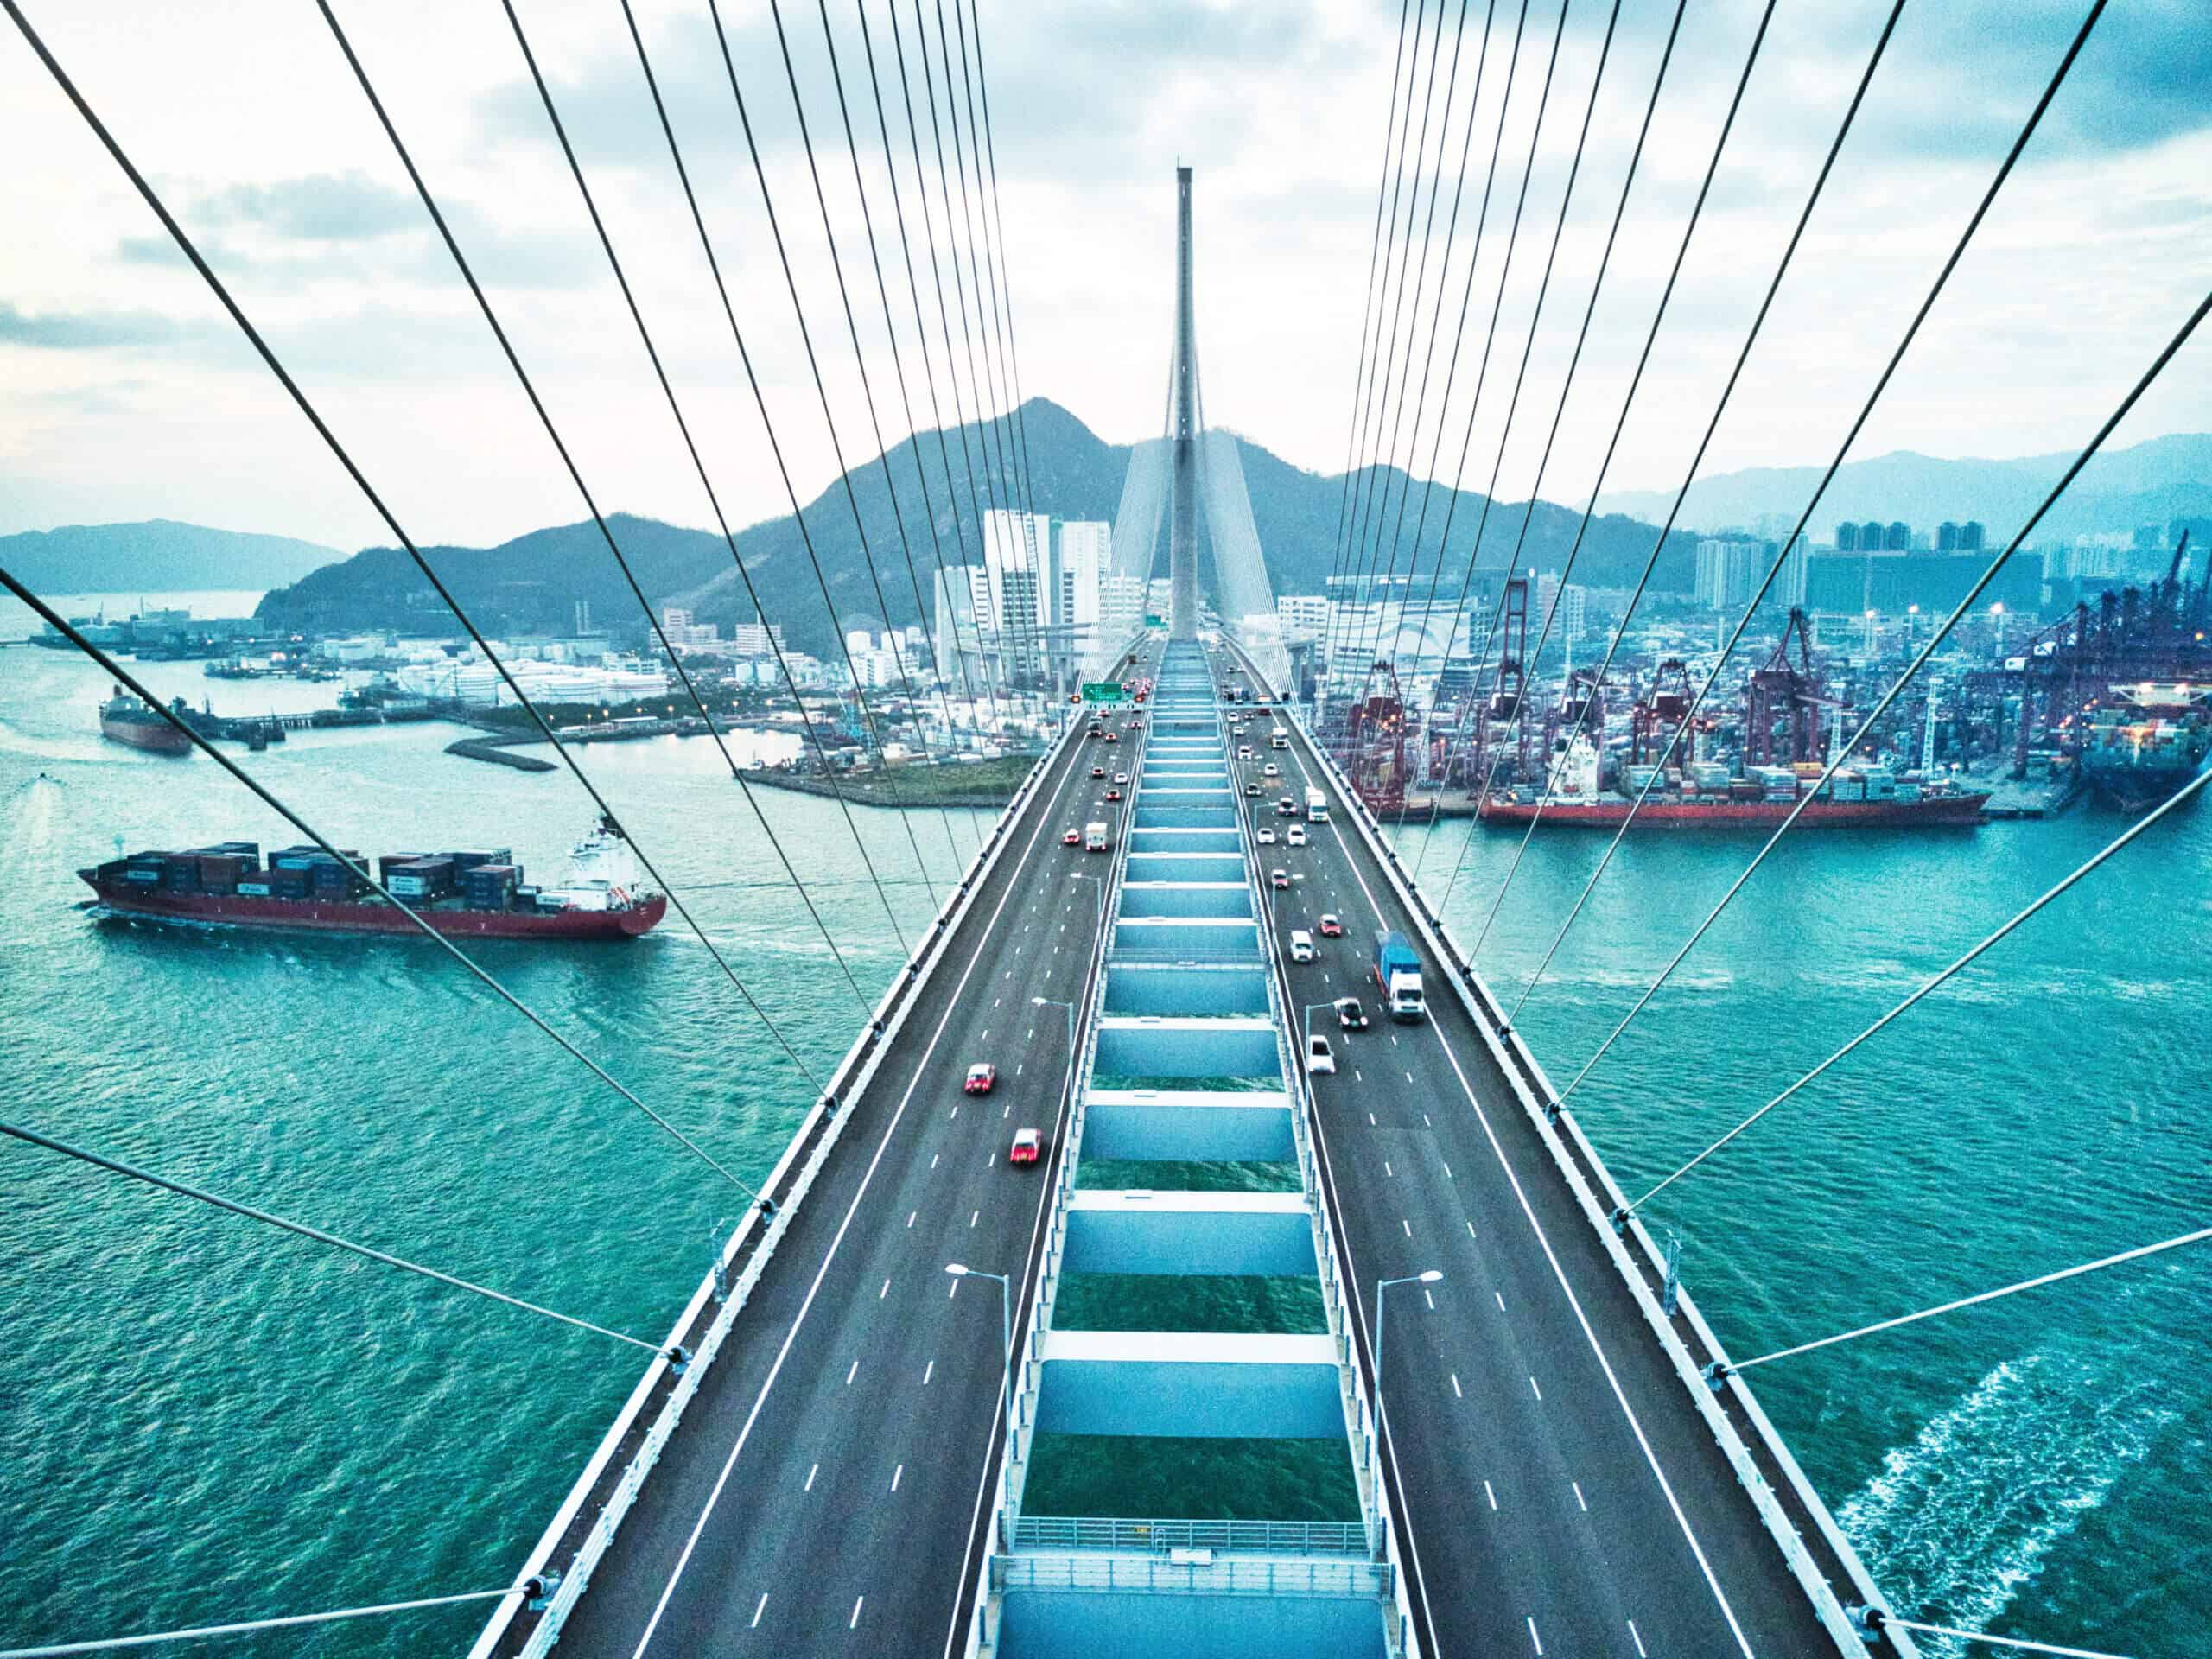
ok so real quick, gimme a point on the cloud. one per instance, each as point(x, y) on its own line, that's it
point(330, 207)
point(86, 331)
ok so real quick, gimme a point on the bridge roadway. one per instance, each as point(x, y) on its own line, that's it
point(824, 1494)
point(1562, 1496)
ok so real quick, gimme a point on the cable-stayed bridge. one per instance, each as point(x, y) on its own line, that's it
point(1545, 1448)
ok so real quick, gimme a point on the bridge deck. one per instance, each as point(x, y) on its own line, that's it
point(823, 1493)
point(1557, 1482)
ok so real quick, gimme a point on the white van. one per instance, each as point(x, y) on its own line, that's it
point(1301, 946)
point(1278, 739)
point(1295, 836)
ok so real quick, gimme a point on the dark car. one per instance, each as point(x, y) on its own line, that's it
point(1352, 1013)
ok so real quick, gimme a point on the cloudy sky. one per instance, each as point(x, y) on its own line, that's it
point(126, 393)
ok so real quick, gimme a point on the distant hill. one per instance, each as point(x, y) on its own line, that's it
point(533, 581)
point(157, 555)
point(2148, 483)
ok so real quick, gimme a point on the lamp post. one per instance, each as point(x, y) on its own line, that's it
point(1069, 1008)
point(1308, 1017)
point(1082, 876)
point(1382, 1286)
point(961, 1270)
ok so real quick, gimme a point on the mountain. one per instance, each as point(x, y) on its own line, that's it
point(159, 554)
point(2146, 484)
point(533, 582)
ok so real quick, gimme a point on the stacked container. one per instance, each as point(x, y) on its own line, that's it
point(490, 887)
point(421, 877)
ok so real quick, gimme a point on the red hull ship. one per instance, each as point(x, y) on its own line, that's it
point(123, 719)
point(461, 896)
point(1659, 812)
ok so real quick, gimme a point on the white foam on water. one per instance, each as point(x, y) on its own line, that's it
point(1959, 1521)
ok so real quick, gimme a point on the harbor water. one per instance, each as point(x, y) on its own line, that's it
point(202, 1419)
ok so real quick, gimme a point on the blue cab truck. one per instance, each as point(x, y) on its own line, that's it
point(1398, 976)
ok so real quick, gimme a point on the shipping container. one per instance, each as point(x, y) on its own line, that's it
point(463, 863)
point(253, 890)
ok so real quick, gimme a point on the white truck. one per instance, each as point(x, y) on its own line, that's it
point(1317, 806)
point(1095, 838)
point(1278, 739)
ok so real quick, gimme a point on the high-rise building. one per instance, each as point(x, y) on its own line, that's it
point(1846, 538)
point(1970, 535)
point(1728, 568)
point(1789, 586)
point(1302, 616)
point(1947, 538)
point(752, 639)
point(1898, 538)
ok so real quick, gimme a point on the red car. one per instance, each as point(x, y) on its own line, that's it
point(1098, 771)
point(1071, 838)
point(980, 1076)
point(1112, 737)
point(1112, 794)
point(1027, 1144)
point(1331, 928)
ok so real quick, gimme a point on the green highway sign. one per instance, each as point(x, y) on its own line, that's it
point(1152, 621)
point(1104, 691)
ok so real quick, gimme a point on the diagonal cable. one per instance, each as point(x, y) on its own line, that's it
point(337, 450)
point(698, 463)
point(246, 1627)
point(1866, 409)
point(545, 419)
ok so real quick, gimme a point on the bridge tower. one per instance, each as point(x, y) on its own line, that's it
point(1183, 431)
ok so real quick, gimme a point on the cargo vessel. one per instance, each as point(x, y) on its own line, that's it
point(2145, 741)
point(1707, 797)
point(461, 894)
point(126, 719)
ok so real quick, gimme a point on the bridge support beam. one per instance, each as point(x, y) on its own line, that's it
point(1213, 1234)
point(1190, 1385)
point(1155, 1126)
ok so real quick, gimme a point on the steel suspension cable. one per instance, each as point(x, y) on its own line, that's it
point(698, 463)
point(1435, 325)
point(1866, 409)
point(2187, 792)
point(922, 337)
point(115, 1644)
point(1003, 434)
point(977, 497)
point(1377, 474)
point(1388, 185)
point(822, 394)
point(1003, 290)
point(337, 450)
point(591, 504)
point(130, 682)
point(185, 1189)
point(1566, 387)
point(1543, 288)
point(1436, 318)
point(1987, 576)
point(988, 434)
point(1890, 696)
point(1371, 431)
point(1719, 1369)
point(1878, 1620)
point(867, 389)
point(1751, 338)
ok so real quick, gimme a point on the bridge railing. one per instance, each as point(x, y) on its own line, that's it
point(574, 1547)
point(1148, 1574)
point(1063, 1533)
point(1784, 1499)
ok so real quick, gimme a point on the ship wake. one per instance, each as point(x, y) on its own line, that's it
point(1957, 1523)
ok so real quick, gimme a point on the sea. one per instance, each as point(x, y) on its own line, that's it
point(203, 1420)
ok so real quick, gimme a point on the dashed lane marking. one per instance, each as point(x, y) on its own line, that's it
point(1458, 1393)
point(895, 1475)
point(1408, 1225)
point(885, 1292)
point(852, 1623)
point(853, 1373)
point(1490, 1495)
point(811, 1474)
point(1639, 1640)
point(1578, 1498)
point(974, 1214)
point(1534, 1637)
point(928, 1371)
point(759, 1607)
point(911, 1214)
point(1534, 1390)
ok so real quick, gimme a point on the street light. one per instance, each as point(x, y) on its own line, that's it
point(1082, 876)
point(1055, 1002)
point(961, 1270)
point(1308, 1018)
point(1382, 1286)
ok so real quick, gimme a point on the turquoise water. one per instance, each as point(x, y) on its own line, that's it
point(202, 1420)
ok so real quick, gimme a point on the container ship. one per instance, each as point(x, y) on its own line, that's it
point(1706, 796)
point(2145, 741)
point(126, 719)
point(461, 894)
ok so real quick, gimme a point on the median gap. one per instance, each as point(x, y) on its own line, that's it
point(1111, 1174)
point(1105, 1082)
point(1191, 1479)
point(1243, 1305)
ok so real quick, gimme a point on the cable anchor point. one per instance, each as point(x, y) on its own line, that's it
point(1716, 1374)
point(678, 1357)
point(537, 1591)
point(1620, 1218)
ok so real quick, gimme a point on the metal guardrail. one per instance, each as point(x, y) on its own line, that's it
point(1046, 1532)
point(1149, 1574)
point(1183, 957)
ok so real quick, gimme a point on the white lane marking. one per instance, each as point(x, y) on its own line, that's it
point(1409, 1076)
point(911, 1214)
point(1408, 1225)
point(1639, 1640)
point(933, 1158)
point(1490, 1495)
point(956, 1112)
point(973, 1216)
point(1008, 1112)
point(1425, 1123)
point(854, 1621)
point(1394, 1043)
point(1033, 1035)
point(885, 1292)
point(760, 1608)
point(988, 1161)
point(1471, 1230)
point(1386, 1171)
point(1578, 1498)
point(1534, 1390)
point(1017, 1070)
point(1370, 1120)
point(1501, 1299)
point(851, 1374)
point(952, 1290)
point(1430, 1299)
point(986, 1037)
point(1533, 1637)
point(810, 1475)
point(997, 999)
point(895, 1474)
point(928, 1371)
point(1458, 1393)
point(1448, 1175)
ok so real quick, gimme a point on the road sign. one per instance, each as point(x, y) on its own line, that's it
point(1104, 692)
point(1152, 621)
